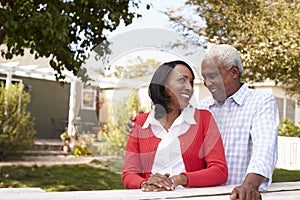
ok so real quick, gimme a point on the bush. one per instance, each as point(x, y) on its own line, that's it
point(114, 133)
point(84, 145)
point(287, 128)
point(16, 126)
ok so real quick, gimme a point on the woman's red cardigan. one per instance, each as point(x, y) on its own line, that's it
point(201, 146)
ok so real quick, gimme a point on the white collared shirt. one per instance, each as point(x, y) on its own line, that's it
point(168, 157)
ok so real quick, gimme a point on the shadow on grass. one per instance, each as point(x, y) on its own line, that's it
point(78, 177)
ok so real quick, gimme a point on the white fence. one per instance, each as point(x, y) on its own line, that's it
point(278, 191)
point(288, 153)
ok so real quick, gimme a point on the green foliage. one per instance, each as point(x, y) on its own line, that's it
point(84, 144)
point(115, 131)
point(16, 126)
point(288, 128)
point(81, 150)
point(62, 30)
point(133, 105)
point(138, 68)
point(65, 135)
point(267, 33)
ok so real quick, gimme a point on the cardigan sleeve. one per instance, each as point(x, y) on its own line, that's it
point(132, 167)
point(215, 170)
point(139, 156)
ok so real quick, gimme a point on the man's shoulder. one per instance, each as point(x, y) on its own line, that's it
point(257, 94)
point(205, 103)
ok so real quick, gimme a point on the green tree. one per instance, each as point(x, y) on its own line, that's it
point(137, 68)
point(115, 132)
point(267, 34)
point(16, 125)
point(64, 30)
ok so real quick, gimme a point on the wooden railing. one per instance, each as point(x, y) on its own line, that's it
point(278, 191)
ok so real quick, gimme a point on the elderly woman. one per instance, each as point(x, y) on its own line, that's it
point(174, 145)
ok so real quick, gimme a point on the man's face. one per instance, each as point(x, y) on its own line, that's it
point(217, 80)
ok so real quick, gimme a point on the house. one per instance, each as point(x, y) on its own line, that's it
point(50, 100)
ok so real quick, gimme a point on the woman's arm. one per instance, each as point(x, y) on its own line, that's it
point(214, 170)
point(132, 168)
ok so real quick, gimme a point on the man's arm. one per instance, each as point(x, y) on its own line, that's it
point(264, 157)
point(264, 134)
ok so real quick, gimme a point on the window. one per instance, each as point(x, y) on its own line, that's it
point(280, 106)
point(290, 109)
point(286, 108)
point(88, 99)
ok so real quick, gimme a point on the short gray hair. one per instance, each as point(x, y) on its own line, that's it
point(224, 55)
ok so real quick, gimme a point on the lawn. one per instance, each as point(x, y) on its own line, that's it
point(83, 177)
point(283, 175)
point(79, 177)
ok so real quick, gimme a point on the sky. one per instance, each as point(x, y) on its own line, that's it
point(148, 37)
point(152, 18)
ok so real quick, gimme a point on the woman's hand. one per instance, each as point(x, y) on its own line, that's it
point(180, 179)
point(157, 183)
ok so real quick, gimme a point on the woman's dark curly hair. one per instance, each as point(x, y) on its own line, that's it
point(157, 91)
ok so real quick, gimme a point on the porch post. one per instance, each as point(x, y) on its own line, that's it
point(8, 78)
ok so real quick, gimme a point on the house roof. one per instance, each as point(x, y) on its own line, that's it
point(28, 66)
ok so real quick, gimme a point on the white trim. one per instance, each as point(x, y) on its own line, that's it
point(13, 79)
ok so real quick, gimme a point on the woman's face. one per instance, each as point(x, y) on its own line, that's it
point(180, 87)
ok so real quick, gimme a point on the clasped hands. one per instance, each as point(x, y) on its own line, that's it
point(158, 182)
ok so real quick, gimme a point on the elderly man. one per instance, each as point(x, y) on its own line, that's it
point(248, 121)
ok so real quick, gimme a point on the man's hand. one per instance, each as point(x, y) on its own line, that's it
point(131, 123)
point(249, 189)
point(245, 192)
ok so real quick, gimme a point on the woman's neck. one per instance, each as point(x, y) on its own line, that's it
point(169, 119)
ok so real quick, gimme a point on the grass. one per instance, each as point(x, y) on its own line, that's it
point(79, 177)
point(283, 175)
point(85, 177)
